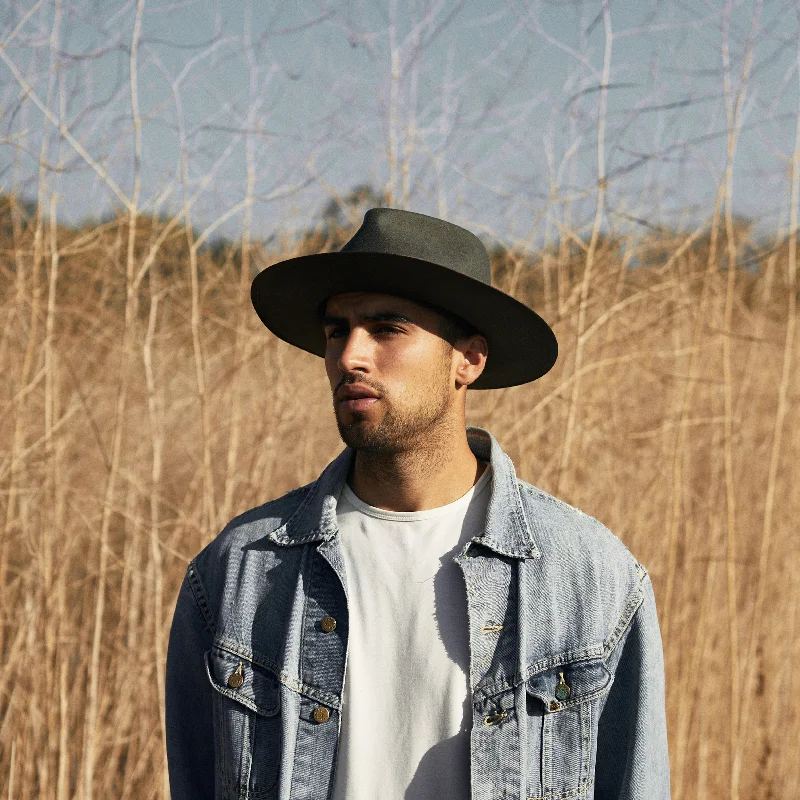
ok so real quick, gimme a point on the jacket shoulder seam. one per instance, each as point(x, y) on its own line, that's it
point(539, 495)
point(302, 491)
point(546, 497)
point(200, 597)
point(628, 612)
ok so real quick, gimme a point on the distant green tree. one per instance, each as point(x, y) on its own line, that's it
point(347, 211)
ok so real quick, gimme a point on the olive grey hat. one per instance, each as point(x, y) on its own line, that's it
point(421, 258)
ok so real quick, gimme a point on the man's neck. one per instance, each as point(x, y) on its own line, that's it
point(417, 479)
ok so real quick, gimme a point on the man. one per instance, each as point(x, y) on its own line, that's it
point(418, 622)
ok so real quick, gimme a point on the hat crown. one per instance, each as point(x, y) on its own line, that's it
point(407, 233)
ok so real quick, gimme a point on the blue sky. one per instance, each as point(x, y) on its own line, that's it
point(488, 110)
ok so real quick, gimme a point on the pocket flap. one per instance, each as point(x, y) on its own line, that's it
point(568, 684)
point(251, 684)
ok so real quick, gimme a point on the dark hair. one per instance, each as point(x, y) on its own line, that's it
point(455, 328)
point(451, 326)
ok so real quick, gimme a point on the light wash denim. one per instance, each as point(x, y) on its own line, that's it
point(566, 664)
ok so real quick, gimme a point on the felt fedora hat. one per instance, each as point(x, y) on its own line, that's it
point(423, 259)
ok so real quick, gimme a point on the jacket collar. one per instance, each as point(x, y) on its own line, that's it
point(507, 530)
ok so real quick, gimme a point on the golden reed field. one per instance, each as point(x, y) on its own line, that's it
point(143, 405)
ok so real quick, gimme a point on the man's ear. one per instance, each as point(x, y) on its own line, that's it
point(472, 354)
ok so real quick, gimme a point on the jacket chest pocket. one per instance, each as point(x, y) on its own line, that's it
point(563, 707)
point(247, 726)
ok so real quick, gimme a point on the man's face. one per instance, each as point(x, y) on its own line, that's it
point(390, 372)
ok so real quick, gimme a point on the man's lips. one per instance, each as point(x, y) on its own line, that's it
point(356, 398)
point(358, 403)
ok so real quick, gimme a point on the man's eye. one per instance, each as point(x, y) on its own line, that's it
point(335, 333)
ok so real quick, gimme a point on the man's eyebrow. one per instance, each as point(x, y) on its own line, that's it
point(378, 316)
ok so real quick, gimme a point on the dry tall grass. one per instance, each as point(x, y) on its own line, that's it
point(143, 405)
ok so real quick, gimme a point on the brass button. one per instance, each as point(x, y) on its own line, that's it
point(562, 690)
point(328, 624)
point(554, 706)
point(321, 714)
point(236, 678)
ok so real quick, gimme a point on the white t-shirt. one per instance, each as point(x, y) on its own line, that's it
point(406, 710)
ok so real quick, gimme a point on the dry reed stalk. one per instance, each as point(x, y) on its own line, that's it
point(592, 248)
point(241, 340)
point(50, 496)
point(155, 411)
point(63, 130)
point(209, 505)
point(62, 780)
point(788, 362)
point(733, 109)
point(119, 418)
point(677, 453)
point(699, 692)
point(19, 287)
point(789, 755)
point(12, 764)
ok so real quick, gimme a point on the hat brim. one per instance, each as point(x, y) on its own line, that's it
point(288, 295)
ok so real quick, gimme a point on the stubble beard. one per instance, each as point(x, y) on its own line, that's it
point(397, 431)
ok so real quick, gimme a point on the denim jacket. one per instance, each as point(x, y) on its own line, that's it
point(566, 664)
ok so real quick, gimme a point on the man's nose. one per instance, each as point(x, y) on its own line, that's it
point(356, 353)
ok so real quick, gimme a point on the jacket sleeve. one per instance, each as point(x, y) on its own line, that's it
point(632, 757)
point(189, 715)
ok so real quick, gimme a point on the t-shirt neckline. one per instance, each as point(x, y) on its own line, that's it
point(428, 513)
